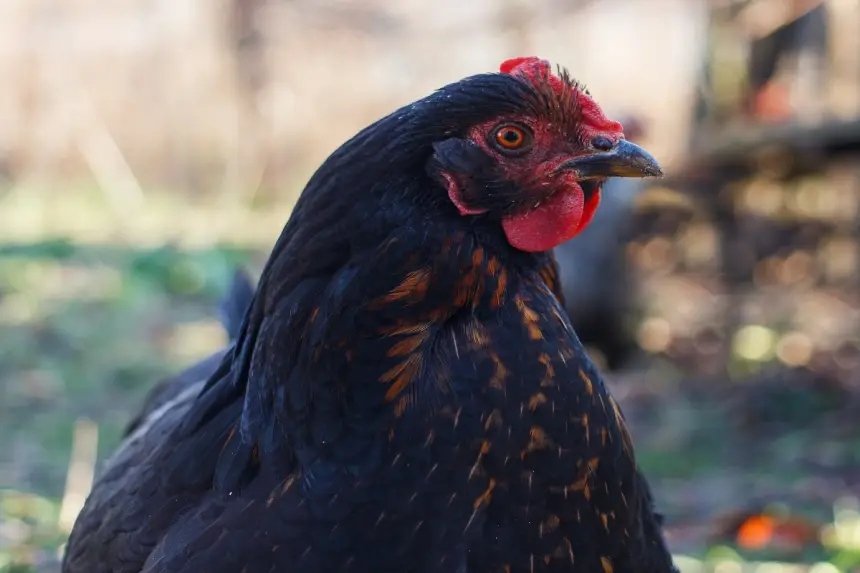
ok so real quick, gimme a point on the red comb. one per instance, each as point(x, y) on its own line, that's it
point(533, 68)
point(509, 66)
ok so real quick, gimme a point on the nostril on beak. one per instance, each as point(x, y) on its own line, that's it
point(601, 143)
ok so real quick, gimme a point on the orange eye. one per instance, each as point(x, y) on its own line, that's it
point(510, 137)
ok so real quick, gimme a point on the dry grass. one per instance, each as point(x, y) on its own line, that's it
point(234, 98)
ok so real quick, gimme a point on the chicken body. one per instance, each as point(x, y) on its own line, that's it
point(407, 393)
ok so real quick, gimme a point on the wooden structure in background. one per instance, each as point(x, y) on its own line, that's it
point(750, 253)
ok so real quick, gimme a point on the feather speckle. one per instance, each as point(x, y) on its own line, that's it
point(404, 392)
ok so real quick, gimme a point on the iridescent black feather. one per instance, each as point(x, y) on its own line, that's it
point(406, 394)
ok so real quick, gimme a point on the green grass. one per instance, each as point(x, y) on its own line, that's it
point(84, 334)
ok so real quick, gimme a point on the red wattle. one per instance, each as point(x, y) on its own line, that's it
point(557, 220)
point(588, 211)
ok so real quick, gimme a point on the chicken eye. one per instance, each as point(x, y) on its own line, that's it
point(510, 137)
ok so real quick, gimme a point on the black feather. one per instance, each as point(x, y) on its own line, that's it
point(234, 306)
point(405, 393)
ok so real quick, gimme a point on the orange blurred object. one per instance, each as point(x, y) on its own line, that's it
point(756, 532)
point(772, 102)
point(764, 531)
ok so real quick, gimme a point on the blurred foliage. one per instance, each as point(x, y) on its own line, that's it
point(87, 327)
point(85, 332)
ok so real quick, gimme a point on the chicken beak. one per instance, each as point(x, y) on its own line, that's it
point(625, 159)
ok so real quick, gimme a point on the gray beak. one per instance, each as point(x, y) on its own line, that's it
point(625, 159)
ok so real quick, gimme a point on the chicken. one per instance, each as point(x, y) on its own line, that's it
point(232, 309)
point(406, 393)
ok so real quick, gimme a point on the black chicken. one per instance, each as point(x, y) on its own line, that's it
point(407, 393)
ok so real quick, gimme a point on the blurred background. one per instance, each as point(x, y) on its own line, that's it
point(148, 147)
